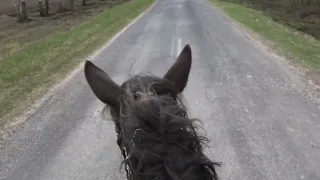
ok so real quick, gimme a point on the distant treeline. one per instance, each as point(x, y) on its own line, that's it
point(64, 5)
point(303, 15)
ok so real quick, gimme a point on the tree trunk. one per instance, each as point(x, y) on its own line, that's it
point(84, 2)
point(44, 7)
point(22, 11)
point(41, 9)
point(16, 5)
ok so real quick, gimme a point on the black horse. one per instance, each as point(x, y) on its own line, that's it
point(155, 135)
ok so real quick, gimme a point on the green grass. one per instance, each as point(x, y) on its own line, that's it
point(29, 73)
point(305, 50)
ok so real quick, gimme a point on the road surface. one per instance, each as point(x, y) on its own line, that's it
point(260, 127)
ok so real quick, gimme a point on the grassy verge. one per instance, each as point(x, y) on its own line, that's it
point(27, 74)
point(306, 50)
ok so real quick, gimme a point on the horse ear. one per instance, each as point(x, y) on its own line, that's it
point(102, 85)
point(179, 72)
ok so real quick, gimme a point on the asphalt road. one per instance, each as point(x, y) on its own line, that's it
point(260, 127)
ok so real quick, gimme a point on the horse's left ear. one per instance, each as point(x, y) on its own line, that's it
point(179, 72)
point(102, 85)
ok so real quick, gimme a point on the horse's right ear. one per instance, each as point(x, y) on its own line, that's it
point(102, 85)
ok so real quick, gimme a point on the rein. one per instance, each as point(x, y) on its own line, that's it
point(125, 152)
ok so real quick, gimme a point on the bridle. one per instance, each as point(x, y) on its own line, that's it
point(125, 153)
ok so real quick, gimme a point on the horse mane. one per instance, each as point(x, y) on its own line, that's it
point(162, 141)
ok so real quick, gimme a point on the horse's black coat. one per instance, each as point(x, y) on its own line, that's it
point(155, 135)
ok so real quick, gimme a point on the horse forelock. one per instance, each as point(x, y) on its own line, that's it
point(157, 135)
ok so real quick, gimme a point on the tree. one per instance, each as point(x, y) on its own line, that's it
point(84, 2)
point(21, 8)
point(44, 8)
